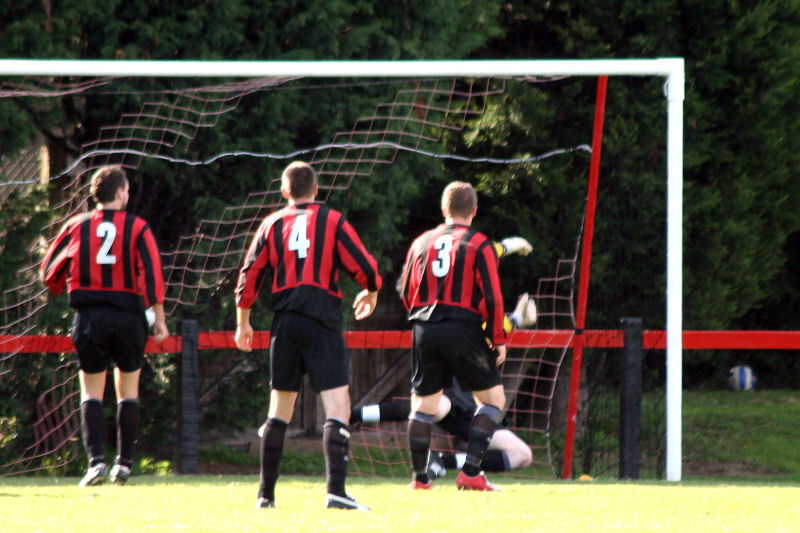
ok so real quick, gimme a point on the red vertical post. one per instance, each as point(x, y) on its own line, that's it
point(583, 287)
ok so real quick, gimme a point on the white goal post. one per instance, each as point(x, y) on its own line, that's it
point(670, 68)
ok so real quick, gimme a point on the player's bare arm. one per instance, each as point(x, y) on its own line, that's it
point(160, 329)
point(501, 354)
point(364, 303)
point(244, 331)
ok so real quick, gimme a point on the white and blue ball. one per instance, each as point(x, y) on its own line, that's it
point(741, 378)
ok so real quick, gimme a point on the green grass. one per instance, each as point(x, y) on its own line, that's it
point(726, 435)
point(741, 473)
point(226, 503)
point(747, 435)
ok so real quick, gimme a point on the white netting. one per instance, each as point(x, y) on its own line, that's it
point(162, 129)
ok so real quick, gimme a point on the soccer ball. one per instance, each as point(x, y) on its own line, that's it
point(741, 377)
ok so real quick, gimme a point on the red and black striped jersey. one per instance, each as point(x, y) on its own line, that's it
point(450, 273)
point(304, 247)
point(106, 257)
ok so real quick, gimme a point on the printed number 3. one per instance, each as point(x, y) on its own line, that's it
point(441, 266)
point(298, 239)
point(108, 232)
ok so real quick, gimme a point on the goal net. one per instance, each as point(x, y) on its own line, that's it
point(377, 137)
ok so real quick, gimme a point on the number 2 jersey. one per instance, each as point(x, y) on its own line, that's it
point(304, 247)
point(450, 273)
point(106, 257)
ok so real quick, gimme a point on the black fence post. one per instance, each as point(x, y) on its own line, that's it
point(630, 405)
point(188, 410)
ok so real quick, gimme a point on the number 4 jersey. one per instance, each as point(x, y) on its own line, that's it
point(106, 257)
point(451, 274)
point(304, 247)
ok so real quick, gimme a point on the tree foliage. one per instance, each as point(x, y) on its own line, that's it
point(740, 156)
point(175, 199)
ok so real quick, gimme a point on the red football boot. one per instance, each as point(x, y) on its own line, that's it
point(479, 482)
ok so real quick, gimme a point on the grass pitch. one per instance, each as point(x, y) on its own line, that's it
point(227, 503)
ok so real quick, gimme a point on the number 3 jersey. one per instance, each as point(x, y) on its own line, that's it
point(304, 247)
point(450, 273)
point(106, 257)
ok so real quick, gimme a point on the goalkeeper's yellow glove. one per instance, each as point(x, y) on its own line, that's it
point(515, 245)
point(507, 327)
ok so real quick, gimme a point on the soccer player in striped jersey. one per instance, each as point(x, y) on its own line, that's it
point(456, 407)
point(449, 286)
point(302, 248)
point(109, 262)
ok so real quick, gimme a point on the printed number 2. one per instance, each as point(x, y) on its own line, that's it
point(108, 232)
point(441, 266)
point(298, 239)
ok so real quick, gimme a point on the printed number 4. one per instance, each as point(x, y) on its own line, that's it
point(108, 232)
point(441, 266)
point(298, 239)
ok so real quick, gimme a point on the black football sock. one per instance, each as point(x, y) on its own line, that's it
point(480, 433)
point(395, 411)
point(127, 430)
point(449, 460)
point(419, 443)
point(93, 430)
point(335, 446)
point(495, 461)
point(271, 452)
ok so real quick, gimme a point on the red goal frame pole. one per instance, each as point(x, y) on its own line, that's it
point(583, 286)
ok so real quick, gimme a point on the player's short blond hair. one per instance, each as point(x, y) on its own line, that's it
point(459, 199)
point(299, 179)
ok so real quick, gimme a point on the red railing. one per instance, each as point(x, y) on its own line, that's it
point(524, 338)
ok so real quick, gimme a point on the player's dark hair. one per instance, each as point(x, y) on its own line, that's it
point(299, 179)
point(106, 181)
point(459, 199)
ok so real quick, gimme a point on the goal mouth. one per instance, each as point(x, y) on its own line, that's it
point(420, 127)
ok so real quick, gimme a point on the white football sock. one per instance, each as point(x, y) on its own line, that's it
point(371, 413)
point(461, 458)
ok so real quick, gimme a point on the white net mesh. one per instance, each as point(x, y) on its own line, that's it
point(161, 129)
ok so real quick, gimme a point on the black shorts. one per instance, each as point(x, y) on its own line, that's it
point(447, 349)
point(300, 345)
point(105, 334)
